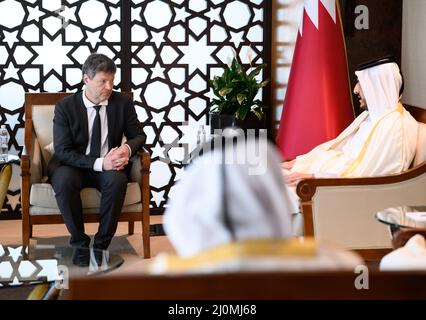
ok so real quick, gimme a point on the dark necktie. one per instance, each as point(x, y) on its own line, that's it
point(95, 144)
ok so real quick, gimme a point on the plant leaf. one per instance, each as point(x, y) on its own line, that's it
point(265, 82)
point(234, 64)
point(242, 112)
point(256, 71)
point(240, 98)
point(223, 92)
point(258, 114)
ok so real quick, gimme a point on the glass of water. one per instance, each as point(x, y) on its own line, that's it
point(3, 152)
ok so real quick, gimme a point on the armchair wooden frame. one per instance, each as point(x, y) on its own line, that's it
point(306, 189)
point(28, 221)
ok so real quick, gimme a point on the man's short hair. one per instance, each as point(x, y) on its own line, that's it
point(379, 61)
point(98, 62)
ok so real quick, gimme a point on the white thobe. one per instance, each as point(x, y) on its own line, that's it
point(387, 148)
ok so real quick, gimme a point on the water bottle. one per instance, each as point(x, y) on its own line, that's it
point(199, 133)
point(203, 135)
point(4, 143)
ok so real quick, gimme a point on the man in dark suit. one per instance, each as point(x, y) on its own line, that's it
point(88, 128)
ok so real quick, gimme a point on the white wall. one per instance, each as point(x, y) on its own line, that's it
point(414, 52)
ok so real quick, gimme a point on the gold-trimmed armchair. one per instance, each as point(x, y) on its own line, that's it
point(38, 201)
point(343, 210)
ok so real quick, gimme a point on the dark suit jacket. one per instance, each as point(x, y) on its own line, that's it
point(70, 130)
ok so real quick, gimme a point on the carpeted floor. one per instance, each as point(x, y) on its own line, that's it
point(128, 247)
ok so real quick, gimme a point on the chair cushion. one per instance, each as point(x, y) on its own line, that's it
point(37, 211)
point(50, 148)
point(43, 126)
point(42, 195)
point(421, 145)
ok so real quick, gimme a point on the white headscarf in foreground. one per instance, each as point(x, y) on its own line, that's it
point(412, 256)
point(379, 141)
point(256, 200)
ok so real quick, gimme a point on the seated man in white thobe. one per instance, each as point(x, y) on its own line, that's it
point(380, 141)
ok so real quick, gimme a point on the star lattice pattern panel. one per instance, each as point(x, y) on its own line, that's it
point(42, 47)
point(16, 268)
point(176, 47)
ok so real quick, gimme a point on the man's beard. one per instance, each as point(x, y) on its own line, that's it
point(362, 104)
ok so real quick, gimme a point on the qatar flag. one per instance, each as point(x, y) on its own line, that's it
point(317, 105)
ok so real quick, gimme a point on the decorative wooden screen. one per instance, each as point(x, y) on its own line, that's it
point(165, 52)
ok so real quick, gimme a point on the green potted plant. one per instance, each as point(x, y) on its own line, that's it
point(234, 101)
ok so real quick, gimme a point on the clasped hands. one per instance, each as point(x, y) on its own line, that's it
point(117, 158)
point(293, 178)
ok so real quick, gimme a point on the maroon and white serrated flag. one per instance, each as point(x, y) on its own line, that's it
point(317, 105)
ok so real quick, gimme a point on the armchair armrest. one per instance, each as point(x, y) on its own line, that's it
point(145, 159)
point(141, 163)
point(145, 164)
point(25, 165)
point(306, 188)
point(25, 190)
point(140, 172)
point(343, 209)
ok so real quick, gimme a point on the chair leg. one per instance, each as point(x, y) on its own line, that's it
point(31, 231)
point(146, 240)
point(131, 227)
point(26, 234)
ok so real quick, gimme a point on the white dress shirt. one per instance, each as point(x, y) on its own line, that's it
point(91, 113)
